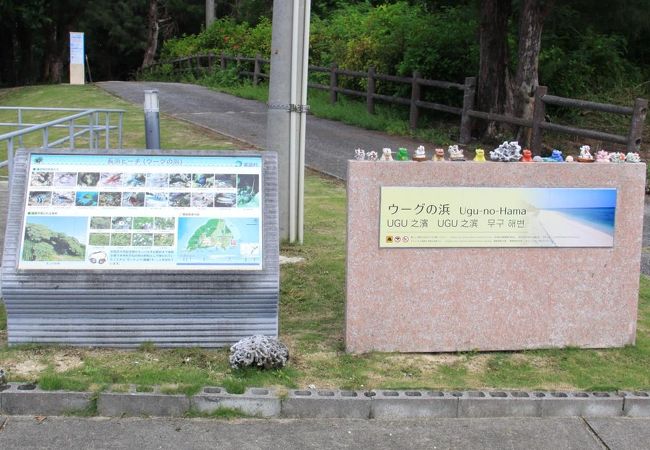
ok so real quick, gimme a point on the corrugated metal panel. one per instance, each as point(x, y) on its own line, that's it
point(127, 308)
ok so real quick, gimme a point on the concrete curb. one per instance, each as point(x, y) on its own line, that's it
point(28, 399)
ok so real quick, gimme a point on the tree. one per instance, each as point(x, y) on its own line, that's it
point(526, 79)
point(499, 89)
point(152, 34)
point(493, 75)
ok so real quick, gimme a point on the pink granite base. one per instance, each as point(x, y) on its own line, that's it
point(455, 299)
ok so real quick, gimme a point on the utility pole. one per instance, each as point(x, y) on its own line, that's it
point(209, 13)
point(287, 109)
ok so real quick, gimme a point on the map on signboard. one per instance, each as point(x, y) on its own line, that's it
point(205, 241)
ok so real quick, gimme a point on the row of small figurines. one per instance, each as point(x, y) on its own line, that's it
point(506, 152)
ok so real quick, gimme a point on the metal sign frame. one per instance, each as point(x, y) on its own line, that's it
point(124, 308)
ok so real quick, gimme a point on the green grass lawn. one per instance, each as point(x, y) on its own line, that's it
point(311, 318)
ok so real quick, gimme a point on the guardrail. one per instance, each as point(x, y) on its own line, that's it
point(200, 64)
point(97, 131)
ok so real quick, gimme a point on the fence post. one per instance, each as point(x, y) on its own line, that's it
point(370, 91)
point(238, 65)
point(210, 61)
point(468, 104)
point(256, 69)
point(223, 61)
point(199, 67)
point(415, 97)
point(636, 125)
point(539, 112)
point(334, 78)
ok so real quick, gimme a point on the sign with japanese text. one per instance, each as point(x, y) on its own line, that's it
point(143, 212)
point(496, 217)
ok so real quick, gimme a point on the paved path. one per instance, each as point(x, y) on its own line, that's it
point(508, 433)
point(328, 144)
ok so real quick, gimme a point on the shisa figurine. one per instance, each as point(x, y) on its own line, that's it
point(438, 155)
point(617, 157)
point(455, 153)
point(528, 156)
point(602, 156)
point(402, 155)
point(632, 157)
point(508, 151)
point(371, 156)
point(556, 155)
point(569, 158)
point(359, 154)
point(480, 155)
point(585, 154)
point(419, 155)
point(386, 154)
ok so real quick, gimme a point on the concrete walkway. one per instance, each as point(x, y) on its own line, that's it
point(22, 432)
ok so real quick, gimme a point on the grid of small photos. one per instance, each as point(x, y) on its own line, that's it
point(120, 231)
point(118, 189)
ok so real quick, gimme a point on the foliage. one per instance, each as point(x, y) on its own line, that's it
point(224, 35)
point(590, 62)
point(439, 40)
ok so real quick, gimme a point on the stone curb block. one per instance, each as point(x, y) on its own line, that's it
point(397, 404)
point(27, 399)
point(497, 404)
point(253, 402)
point(583, 404)
point(326, 404)
point(116, 404)
point(636, 403)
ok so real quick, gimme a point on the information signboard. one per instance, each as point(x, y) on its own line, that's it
point(496, 217)
point(76, 48)
point(142, 212)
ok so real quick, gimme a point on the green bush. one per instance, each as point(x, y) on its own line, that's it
point(591, 63)
point(224, 35)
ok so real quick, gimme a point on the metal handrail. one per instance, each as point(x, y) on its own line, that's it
point(93, 128)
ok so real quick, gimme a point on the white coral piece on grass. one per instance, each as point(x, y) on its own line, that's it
point(264, 352)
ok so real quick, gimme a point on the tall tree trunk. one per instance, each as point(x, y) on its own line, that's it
point(8, 58)
point(152, 34)
point(209, 13)
point(54, 53)
point(531, 21)
point(493, 78)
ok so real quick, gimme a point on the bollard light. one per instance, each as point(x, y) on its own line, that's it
point(152, 119)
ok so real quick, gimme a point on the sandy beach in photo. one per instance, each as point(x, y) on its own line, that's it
point(567, 232)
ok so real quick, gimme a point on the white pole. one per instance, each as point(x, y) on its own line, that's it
point(293, 126)
point(303, 119)
point(286, 109)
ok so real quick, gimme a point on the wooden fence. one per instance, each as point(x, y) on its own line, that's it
point(199, 64)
